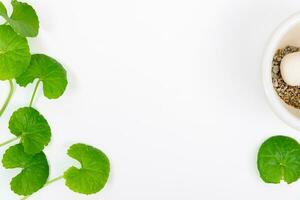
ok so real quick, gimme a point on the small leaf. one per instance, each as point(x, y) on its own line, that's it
point(32, 127)
point(14, 53)
point(279, 159)
point(47, 70)
point(94, 171)
point(24, 19)
point(3, 11)
point(35, 170)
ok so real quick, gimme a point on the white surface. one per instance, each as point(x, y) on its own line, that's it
point(170, 90)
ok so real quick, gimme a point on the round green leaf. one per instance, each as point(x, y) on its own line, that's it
point(33, 129)
point(279, 159)
point(35, 170)
point(14, 53)
point(24, 19)
point(47, 70)
point(94, 171)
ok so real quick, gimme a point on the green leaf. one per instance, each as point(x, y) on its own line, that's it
point(94, 171)
point(35, 170)
point(279, 159)
point(14, 53)
point(3, 11)
point(47, 70)
point(24, 19)
point(33, 129)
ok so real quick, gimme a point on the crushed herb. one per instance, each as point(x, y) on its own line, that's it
point(289, 94)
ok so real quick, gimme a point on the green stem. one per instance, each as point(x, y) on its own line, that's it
point(34, 92)
point(48, 183)
point(54, 180)
point(11, 91)
point(9, 141)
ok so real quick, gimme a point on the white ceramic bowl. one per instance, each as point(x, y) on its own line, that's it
point(288, 33)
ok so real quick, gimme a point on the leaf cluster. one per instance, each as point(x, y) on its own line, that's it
point(27, 124)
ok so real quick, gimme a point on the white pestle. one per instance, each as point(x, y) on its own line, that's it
point(290, 69)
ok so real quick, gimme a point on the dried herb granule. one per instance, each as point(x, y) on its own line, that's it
point(289, 94)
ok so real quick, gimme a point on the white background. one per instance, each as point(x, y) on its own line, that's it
point(171, 91)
